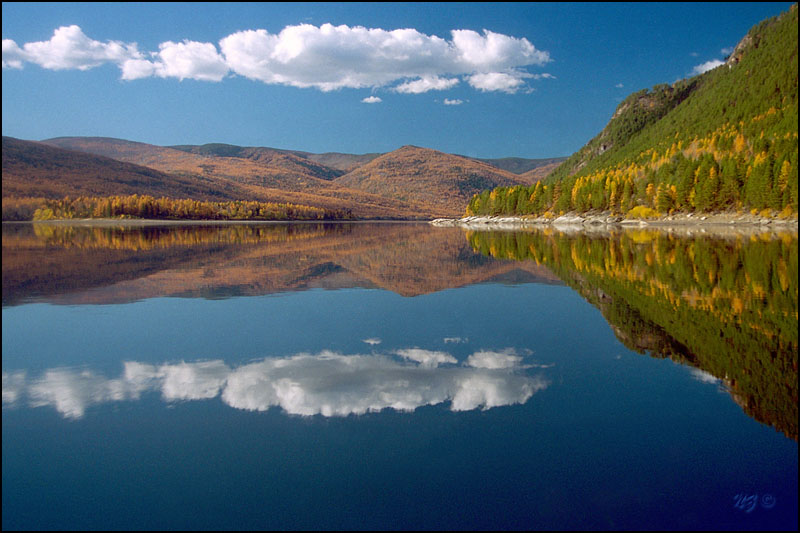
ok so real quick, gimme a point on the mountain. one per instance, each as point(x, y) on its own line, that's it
point(33, 169)
point(428, 176)
point(723, 140)
point(118, 264)
point(519, 165)
point(410, 182)
point(260, 174)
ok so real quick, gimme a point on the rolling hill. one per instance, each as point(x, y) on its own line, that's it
point(410, 182)
point(422, 175)
point(34, 169)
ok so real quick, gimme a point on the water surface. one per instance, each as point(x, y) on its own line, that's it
point(397, 376)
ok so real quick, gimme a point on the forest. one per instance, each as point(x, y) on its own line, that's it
point(144, 206)
point(723, 141)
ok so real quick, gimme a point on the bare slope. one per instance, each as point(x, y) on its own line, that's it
point(427, 176)
point(258, 173)
point(33, 169)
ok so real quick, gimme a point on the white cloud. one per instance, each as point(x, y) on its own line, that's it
point(68, 48)
point(619, 86)
point(71, 392)
point(374, 340)
point(192, 381)
point(371, 100)
point(507, 82)
point(703, 376)
point(327, 383)
point(13, 56)
point(13, 385)
point(426, 358)
point(494, 360)
point(327, 58)
point(728, 50)
point(185, 60)
point(455, 101)
point(424, 85)
point(456, 340)
point(705, 67)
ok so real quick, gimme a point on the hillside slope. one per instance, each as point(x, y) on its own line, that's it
point(726, 139)
point(35, 169)
point(427, 176)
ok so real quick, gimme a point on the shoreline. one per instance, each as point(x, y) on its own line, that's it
point(151, 222)
point(717, 223)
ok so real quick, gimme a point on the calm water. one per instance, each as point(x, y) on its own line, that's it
point(397, 376)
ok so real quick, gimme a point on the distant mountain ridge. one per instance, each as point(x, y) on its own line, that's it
point(410, 182)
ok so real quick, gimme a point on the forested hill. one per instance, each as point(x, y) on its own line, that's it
point(723, 140)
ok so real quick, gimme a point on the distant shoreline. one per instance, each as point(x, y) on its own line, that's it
point(572, 222)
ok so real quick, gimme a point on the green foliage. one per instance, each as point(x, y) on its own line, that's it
point(726, 139)
point(726, 306)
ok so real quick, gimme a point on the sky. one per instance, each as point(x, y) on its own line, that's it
point(490, 80)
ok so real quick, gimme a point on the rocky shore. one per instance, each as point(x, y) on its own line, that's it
point(685, 222)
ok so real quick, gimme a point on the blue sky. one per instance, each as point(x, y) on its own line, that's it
point(485, 80)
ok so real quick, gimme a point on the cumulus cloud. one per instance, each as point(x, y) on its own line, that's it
point(426, 358)
point(494, 360)
point(13, 385)
point(185, 60)
point(705, 67)
point(371, 100)
point(507, 82)
point(327, 384)
point(327, 58)
point(68, 48)
point(424, 85)
point(455, 101)
point(372, 341)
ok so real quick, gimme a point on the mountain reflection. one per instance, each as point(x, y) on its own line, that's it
point(75, 264)
point(327, 384)
point(726, 306)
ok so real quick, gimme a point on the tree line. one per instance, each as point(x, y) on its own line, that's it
point(144, 206)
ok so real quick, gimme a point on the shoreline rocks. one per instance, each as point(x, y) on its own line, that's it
point(570, 222)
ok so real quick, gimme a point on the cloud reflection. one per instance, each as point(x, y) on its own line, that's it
point(327, 384)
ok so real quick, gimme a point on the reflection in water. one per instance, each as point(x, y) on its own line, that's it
point(327, 384)
point(91, 264)
point(725, 306)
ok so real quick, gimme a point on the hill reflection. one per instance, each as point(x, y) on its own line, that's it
point(91, 264)
point(727, 306)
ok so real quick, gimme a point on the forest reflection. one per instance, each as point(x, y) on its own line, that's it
point(727, 306)
point(90, 264)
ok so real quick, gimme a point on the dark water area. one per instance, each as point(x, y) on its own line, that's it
point(397, 376)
